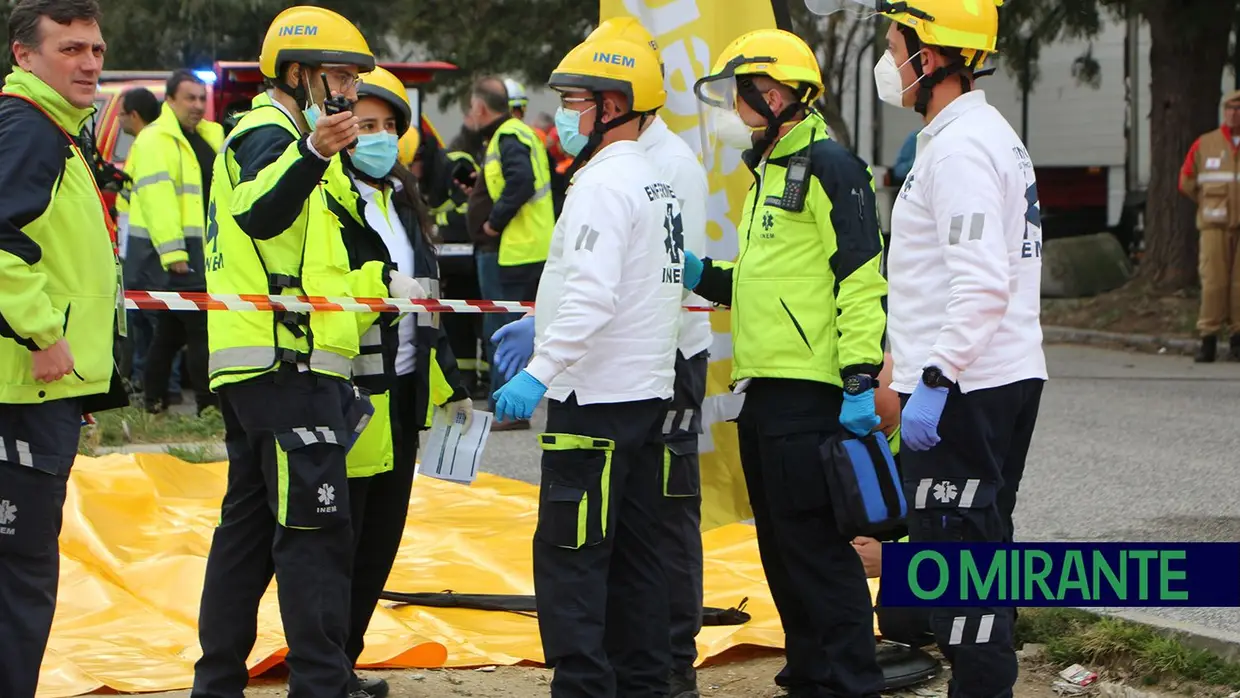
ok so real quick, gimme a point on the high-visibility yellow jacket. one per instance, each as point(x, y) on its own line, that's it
point(807, 293)
point(166, 201)
point(435, 378)
point(269, 231)
point(527, 237)
point(58, 271)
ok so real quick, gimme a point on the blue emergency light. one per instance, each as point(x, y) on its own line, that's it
point(207, 76)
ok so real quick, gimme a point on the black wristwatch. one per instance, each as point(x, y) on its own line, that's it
point(858, 383)
point(933, 377)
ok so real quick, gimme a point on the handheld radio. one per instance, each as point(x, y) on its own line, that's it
point(795, 180)
point(335, 105)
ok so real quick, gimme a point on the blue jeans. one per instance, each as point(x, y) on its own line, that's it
point(142, 333)
point(492, 290)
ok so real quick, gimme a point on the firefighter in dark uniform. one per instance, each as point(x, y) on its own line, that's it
point(808, 319)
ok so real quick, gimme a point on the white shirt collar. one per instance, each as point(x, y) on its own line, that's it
point(366, 190)
point(610, 151)
point(655, 132)
point(960, 106)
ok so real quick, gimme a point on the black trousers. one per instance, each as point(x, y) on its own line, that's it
point(816, 578)
point(285, 512)
point(173, 330)
point(380, 505)
point(905, 625)
point(964, 489)
point(599, 584)
point(37, 446)
point(681, 540)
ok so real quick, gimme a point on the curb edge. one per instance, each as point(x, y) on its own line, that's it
point(1052, 334)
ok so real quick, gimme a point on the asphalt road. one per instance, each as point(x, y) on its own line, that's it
point(1129, 447)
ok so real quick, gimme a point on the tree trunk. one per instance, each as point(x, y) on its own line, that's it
point(1188, 49)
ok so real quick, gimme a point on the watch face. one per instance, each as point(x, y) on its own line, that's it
point(853, 385)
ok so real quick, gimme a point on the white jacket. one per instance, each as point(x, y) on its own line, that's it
point(679, 167)
point(965, 266)
point(608, 304)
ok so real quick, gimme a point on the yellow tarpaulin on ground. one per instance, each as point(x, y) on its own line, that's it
point(134, 545)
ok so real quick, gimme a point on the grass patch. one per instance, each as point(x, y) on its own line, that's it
point(133, 425)
point(196, 453)
point(1072, 636)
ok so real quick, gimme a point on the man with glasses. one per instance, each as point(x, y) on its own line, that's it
point(1211, 178)
point(606, 321)
point(290, 412)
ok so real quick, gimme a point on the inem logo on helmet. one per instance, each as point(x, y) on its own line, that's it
point(615, 59)
point(299, 30)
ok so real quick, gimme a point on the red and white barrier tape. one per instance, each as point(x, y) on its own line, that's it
point(173, 300)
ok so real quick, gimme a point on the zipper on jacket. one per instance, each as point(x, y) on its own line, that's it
point(736, 269)
point(796, 325)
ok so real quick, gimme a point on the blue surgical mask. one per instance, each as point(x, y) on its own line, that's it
point(375, 155)
point(568, 127)
point(312, 115)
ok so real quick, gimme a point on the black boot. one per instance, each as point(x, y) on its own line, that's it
point(1208, 350)
point(683, 685)
point(368, 688)
point(1234, 354)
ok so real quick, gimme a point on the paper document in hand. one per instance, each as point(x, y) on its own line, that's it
point(452, 454)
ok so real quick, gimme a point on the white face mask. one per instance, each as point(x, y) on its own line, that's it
point(733, 131)
point(887, 80)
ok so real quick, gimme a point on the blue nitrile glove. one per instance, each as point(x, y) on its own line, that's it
point(514, 345)
point(858, 414)
point(919, 421)
point(518, 397)
point(693, 270)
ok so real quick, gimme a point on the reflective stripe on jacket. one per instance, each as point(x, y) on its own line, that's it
point(166, 201)
point(526, 239)
point(58, 270)
point(302, 256)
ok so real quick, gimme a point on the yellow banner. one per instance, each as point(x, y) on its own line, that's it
point(691, 34)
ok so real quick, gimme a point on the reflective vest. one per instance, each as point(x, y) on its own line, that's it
point(528, 237)
point(307, 259)
point(70, 290)
point(166, 202)
point(794, 275)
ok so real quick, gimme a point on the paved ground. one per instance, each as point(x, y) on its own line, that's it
point(1128, 447)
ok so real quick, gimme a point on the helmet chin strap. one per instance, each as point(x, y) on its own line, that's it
point(748, 91)
point(600, 128)
point(927, 83)
point(300, 94)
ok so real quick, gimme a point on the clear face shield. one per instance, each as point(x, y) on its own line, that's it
point(864, 9)
point(719, 124)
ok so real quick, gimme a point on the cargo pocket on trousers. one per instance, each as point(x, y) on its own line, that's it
point(953, 510)
point(798, 477)
point(575, 492)
point(372, 453)
point(312, 488)
point(682, 476)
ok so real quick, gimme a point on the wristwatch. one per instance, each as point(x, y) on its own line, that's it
point(857, 384)
point(933, 377)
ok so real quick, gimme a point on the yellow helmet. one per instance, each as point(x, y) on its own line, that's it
point(614, 65)
point(625, 29)
point(313, 36)
point(407, 147)
point(969, 25)
point(775, 53)
point(382, 84)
